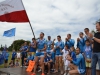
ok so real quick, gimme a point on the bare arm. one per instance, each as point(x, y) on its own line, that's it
point(34, 45)
point(97, 40)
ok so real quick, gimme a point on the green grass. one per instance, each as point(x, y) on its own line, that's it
point(10, 54)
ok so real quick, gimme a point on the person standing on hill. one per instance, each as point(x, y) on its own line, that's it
point(96, 49)
point(6, 59)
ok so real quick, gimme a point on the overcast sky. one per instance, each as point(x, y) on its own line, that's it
point(54, 17)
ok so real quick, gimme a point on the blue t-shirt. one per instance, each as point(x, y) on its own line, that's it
point(6, 56)
point(81, 44)
point(31, 48)
point(23, 49)
point(70, 43)
point(41, 44)
point(61, 46)
point(88, 52)
point(80, 62)
point(73, 55)
point(49, 45)
point(13, 54)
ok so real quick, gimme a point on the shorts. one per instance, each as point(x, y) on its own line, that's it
point(18, 57)
point(6, 60)
point(33, 53)
point(12, 58)
point(40, 54)
point(66, 67)
point(48, 52)
point(57, 55)
point(81, 71)
point(88, 64)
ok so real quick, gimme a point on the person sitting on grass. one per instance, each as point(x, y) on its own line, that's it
point(47, 62)
point(10, 64)
point(6, 59)
point(17, 63)
point(79, 65)
point(30, 57)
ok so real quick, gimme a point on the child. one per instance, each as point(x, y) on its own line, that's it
point(18, 55)
point(11, 64)
point(65, 52)
point(30, 57)
point(13, 57)
point(17, 64)
point(88, 53)
point(73, 54)
point(6, 59)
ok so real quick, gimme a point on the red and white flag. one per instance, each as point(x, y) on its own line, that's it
point(13, 11)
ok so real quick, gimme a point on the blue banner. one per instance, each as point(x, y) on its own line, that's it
point(10, 33)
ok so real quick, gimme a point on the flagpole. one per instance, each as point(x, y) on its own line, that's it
point(29, 21)
point(13, 43)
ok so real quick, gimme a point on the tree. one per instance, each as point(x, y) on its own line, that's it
point(1, 47)
point(17, 44)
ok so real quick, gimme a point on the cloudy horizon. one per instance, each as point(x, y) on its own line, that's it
point(54, 17)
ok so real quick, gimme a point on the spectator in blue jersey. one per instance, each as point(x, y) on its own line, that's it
point(72, 53)
point(23, 49)
point(30, 57)
point(59, 45)
point(81, 42)
point(47, 62)
point(6, 59)
point(68, 41)
point(32, 46)
point(49, 42)
point(80, 67)
point(88, 34)
point(13, 57)
point(41, 49)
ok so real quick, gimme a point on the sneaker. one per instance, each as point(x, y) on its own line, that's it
point(39, 70)
point(42, 74)
point(61, 72)
point(25, 66)
point(65, 74)
point(33, 74)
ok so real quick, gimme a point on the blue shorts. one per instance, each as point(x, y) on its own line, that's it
point(81, 71)
point(58, 54)
point(40, 54)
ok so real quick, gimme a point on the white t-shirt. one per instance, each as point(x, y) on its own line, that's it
point(18, 55)
point(65, 53)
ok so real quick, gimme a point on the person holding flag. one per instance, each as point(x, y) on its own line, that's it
point(41, 50)
point(32, 46)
